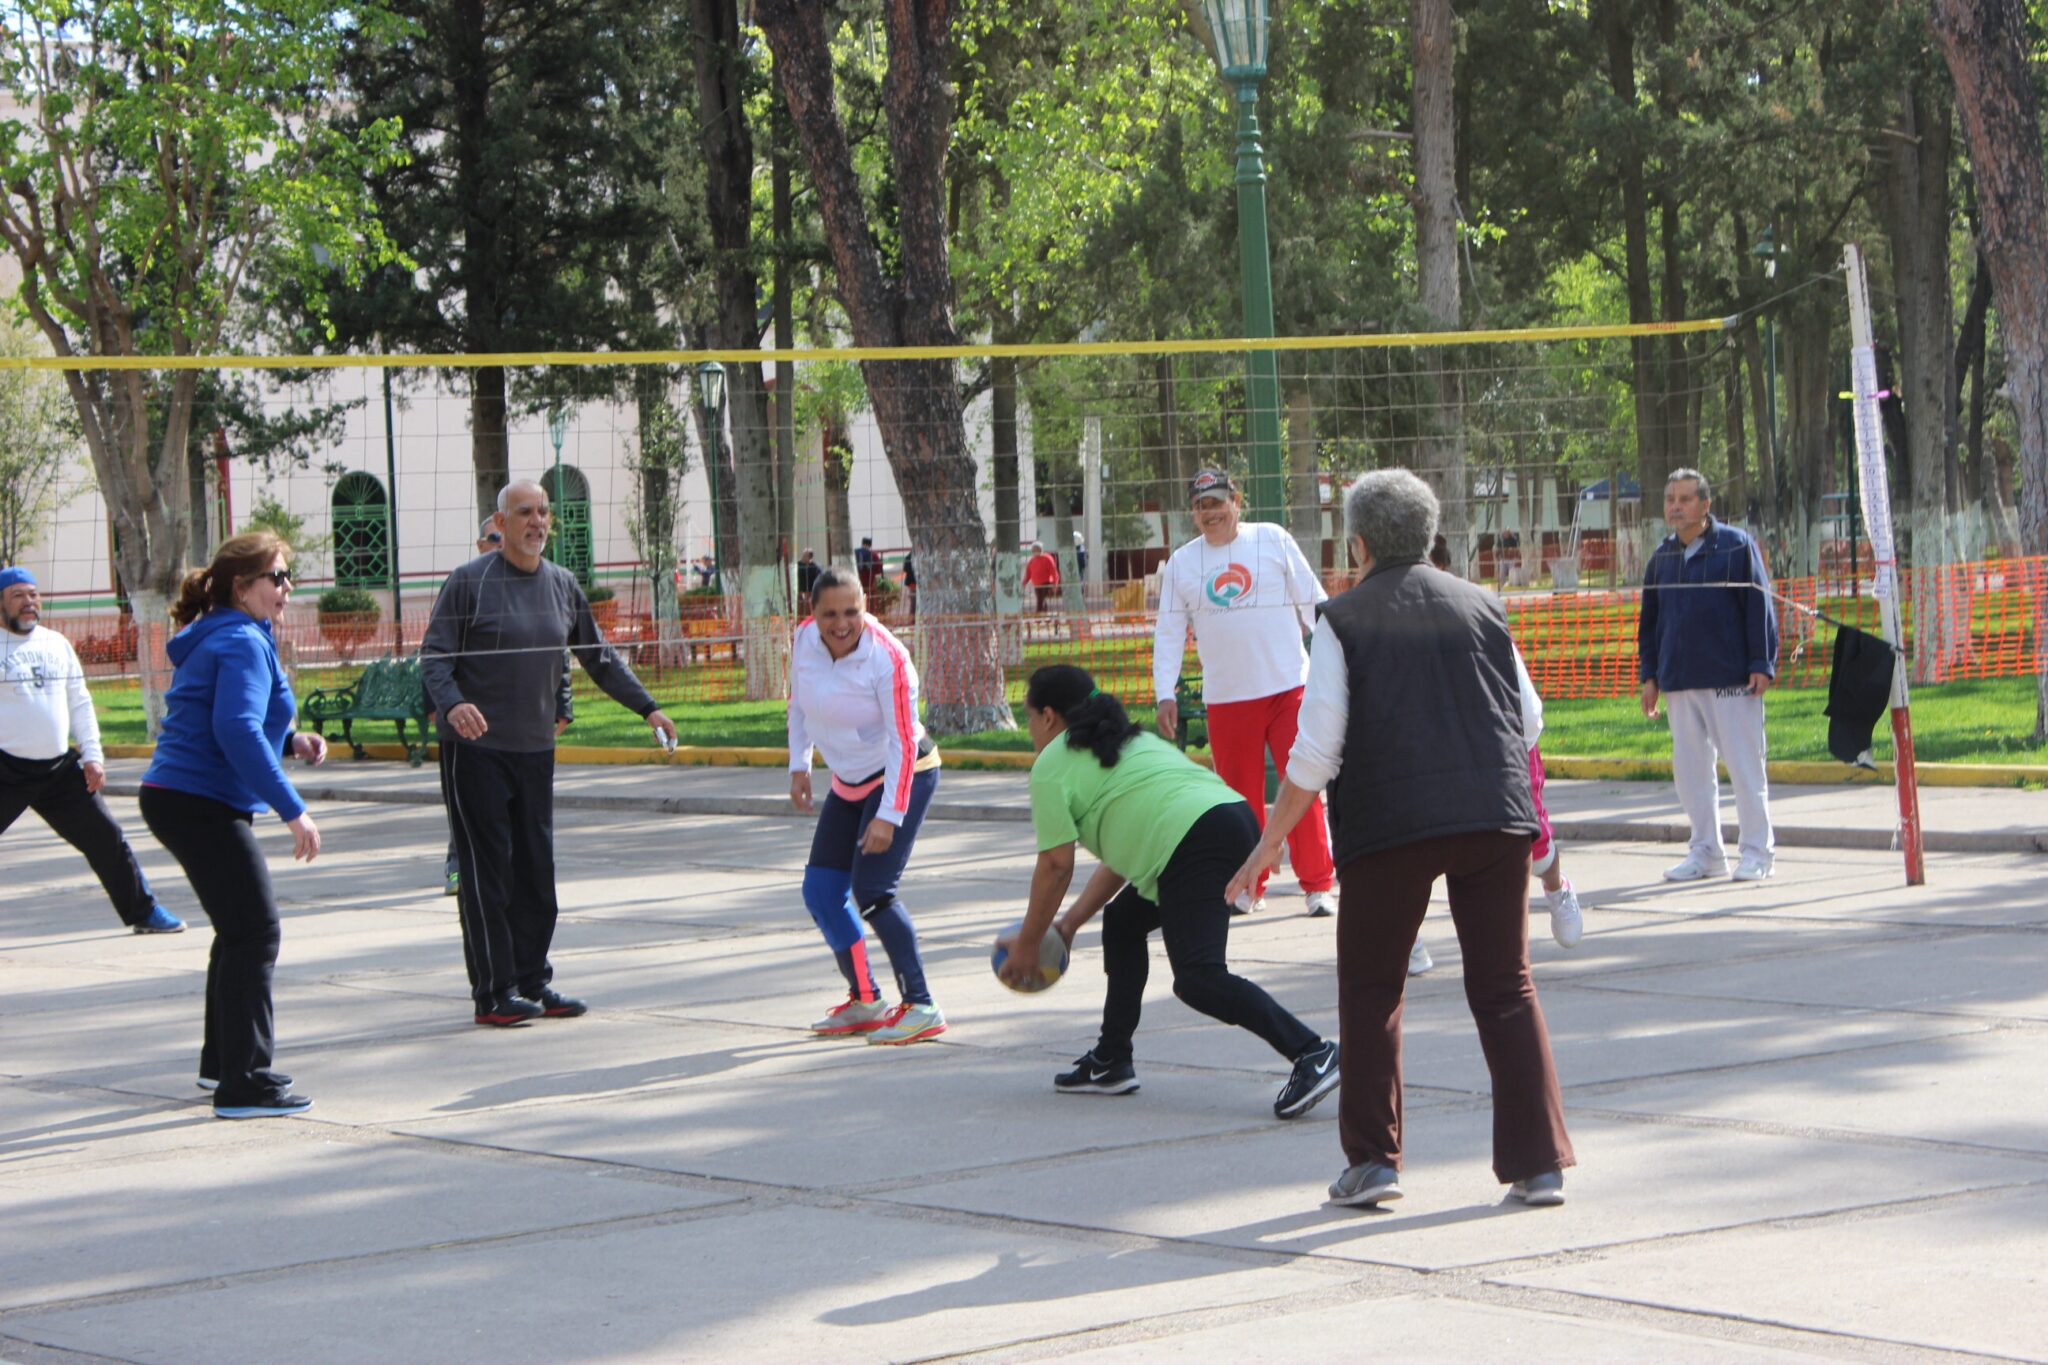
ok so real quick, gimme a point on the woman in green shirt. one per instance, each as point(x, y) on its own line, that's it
point(1168, 834)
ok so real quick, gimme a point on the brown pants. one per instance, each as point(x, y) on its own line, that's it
point(1383, 898)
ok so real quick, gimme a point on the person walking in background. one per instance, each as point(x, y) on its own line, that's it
point(218, 764)
point(1042, 576)
point(492, 661)
point(1707, 645)
point(867, 565)
point(44, 709)
point(1168, 833)
point(1250, 595)
point(853, 698)
point(807, 572)
point(1412, 712)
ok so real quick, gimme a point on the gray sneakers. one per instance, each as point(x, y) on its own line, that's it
point(1365, 1185)
point(1539, 1191)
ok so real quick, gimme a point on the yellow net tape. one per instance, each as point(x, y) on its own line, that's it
point(517, 359)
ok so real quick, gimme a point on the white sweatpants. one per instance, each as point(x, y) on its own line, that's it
point(1705, 724)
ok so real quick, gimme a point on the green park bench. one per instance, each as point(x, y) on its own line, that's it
point(389, 689)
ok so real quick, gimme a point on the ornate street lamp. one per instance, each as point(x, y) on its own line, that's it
point(1239, 28)
point(711, 402)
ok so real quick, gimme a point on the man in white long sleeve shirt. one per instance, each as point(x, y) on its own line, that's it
point(43, 707)
point(1251, 596)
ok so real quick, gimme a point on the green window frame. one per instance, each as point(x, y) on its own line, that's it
point(361, 530)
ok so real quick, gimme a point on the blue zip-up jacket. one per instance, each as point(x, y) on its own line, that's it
point(228, 716)
point(1690, 638)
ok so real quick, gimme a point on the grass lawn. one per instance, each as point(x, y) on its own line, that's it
point(1963, 722)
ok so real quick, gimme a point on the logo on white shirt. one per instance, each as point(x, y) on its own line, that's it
point(1229, 585)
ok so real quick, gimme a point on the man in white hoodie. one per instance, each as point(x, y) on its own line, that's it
point(43, 707)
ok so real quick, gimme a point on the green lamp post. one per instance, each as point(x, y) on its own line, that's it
point(711, 400)
point(1239, 28)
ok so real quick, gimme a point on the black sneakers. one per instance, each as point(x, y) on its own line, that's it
point(1093, 1076)
point(282, 1105)
point(554, 1005)
point(1315, 1075)
point(509, 1012)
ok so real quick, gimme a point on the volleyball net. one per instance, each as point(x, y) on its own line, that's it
point(1019, 508)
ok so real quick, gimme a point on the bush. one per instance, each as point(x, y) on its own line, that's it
point(887, 593)
point(348, 602)
point(598, 594)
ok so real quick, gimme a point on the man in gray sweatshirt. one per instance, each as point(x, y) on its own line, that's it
point(493, 664)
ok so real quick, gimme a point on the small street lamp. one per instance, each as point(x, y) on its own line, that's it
point(711, 402)
point(1239, 28)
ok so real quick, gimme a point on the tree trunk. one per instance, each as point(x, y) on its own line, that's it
point(489, 456)
point(1618, 33)
point(1764, 492)
point(838, 460)
point(1916, 213)
point(1442, 452)
point(1969, 370)
point(1737, 482)
point(1304, 487)
point(1811, 383)
point(917, 403)
point(782, 217)
point(1986, 44)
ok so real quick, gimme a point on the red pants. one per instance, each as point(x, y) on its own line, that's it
point(1240, 734)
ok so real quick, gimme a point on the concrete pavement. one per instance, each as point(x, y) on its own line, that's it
point(1808, 1113)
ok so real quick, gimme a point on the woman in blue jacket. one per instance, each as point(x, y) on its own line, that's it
point(227, 727)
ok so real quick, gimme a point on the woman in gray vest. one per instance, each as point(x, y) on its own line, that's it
point(1412, 717)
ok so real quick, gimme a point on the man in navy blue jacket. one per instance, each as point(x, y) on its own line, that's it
point(1707, 642)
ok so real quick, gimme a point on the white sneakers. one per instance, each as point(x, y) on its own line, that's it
point(1419, 960)
point(1693, 869)
point(1322, 904)
point(1566, 923)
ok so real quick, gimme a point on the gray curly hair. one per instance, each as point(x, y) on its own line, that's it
point(1393, 512)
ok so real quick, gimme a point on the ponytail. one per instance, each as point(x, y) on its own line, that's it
point(1095, 720)
point(238, 558)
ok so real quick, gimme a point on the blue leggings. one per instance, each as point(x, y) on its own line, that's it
point(844, 886)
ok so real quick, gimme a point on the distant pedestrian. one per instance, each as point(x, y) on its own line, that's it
point(867, 565)
point(910, 585)
point(1080, 555)
point(44, 710)
point(227, 726)
point(1412, 712)
point(1042, 576)
point(807, 571)
point(1707, 645)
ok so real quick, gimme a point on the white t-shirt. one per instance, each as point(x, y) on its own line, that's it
point(1250, 603)
point(43, 701)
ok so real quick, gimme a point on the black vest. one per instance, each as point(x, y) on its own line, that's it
point(1433, 743)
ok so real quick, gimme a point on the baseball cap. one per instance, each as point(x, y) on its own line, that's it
point(1211, 483)
point(14, 576)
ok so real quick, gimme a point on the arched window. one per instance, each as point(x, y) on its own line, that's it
point(362, 532)
point(569, 493)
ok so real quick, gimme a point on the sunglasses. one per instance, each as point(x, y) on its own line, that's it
point(281, 578)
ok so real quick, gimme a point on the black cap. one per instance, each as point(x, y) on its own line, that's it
point(1212, 483)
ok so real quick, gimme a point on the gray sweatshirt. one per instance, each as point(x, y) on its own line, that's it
point(496, 640)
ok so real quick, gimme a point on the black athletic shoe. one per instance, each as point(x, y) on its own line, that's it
point(554, 1005)
point(509, 1012)
point(1092, 1076)
point(278, 1106)
point(1315, 1075)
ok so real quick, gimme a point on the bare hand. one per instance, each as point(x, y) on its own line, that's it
point(561, 724)
point(659, 722)
point(1169, 717)
point(1759, 683)
point(880, 834)
point(305, 838)
point(1246, 883)
point(1020, 967)
point(1649, 697)
point(95, 776)
point(466, 721)
point(310, 748)
point(800, 792)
